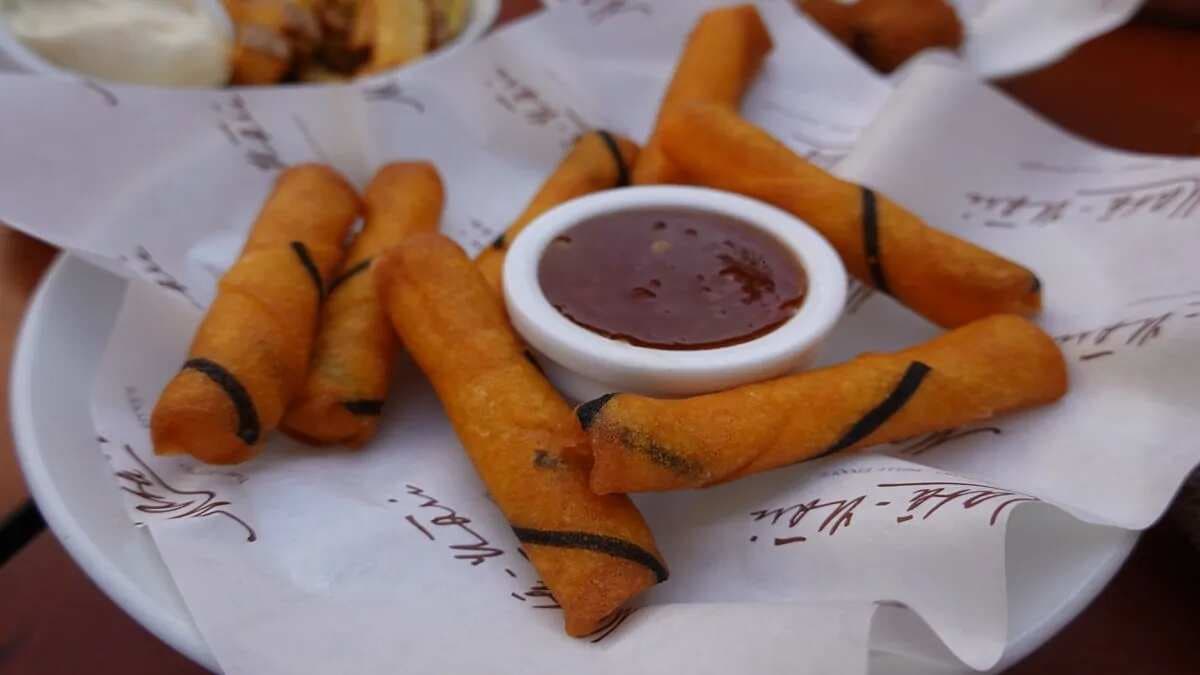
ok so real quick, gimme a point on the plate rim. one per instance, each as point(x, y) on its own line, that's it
point(178, 632)
point(1021, 646)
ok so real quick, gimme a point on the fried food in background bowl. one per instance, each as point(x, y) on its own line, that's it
point(215, 43)
point(886, 33)
point(320, 41)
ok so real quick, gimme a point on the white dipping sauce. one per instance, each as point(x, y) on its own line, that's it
point(155, 42)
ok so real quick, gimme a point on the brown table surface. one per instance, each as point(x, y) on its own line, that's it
point(1135, 88)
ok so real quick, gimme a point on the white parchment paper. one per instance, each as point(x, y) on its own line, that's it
point(1007, 37)
point(1112, 236)
point(393, 558)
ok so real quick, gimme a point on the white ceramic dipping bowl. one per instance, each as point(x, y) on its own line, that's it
point(585, 365)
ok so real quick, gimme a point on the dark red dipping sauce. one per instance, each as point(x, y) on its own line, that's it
point(672, 278)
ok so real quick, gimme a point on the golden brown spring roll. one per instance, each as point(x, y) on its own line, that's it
point(598, 161)
point(594, 553)
point(837, 18)
point(251, 351)
point(943, 278)
point(886, 33)
point(994, 365)
point(722, 55)
point(352, 361)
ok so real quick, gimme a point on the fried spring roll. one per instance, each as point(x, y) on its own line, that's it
point(251, 351)
point(721, 57)
point(593, 552)
point(943, 278)
point(995, 365)
point(598, 161)
point(886, 33)
point(837, 18)
point(352, 361)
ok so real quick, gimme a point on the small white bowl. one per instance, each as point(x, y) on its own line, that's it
point(585, 365)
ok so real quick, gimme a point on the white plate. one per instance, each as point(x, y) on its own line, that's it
point(1052, 576)
point(15, 55)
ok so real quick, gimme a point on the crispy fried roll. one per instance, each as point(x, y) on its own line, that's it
point(598, 161)
point(593, 552)
point(721, 57)
point(886, 33)
point(251, 351)
point(838, 18)
point(355, 349)
point(995, 365)
point(943, 278)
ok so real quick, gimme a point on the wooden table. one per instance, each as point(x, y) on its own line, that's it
point(1135, 88)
